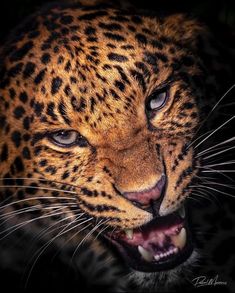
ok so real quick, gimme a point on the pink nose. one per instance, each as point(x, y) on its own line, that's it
point(144, 197)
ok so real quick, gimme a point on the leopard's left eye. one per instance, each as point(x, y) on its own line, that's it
point(157, 100)
point(67, 138)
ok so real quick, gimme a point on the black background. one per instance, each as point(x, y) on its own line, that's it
point(211, 11)
point(219, 15)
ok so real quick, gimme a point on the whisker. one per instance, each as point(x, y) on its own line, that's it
point(20, 211)
point(204, 177)
point(214, 146)
point(209, 194)
point(41, 234)
point(35, 207)
point(218, 153)
point(45, 246)
point(194, 199)
point(75, 234)
point(210, 170)
point(214, 131)
point(218, 164)
point(40, 180)
point(35, 198)
point(101, 222)
point(20, 225)
point(101, 231)
point(214, 189)
point(224, 185)
point(226, 105)
point(202, 196)
point(37, 187)
point(215, 106)
point(196, 139)
point(222, 171)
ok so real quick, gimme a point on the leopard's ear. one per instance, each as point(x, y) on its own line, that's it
point(217, 58)
point(186, 29)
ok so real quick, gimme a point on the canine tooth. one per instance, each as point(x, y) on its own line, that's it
point(182, 212)
point(180, 239)
point(147, 255)
point(129, 233)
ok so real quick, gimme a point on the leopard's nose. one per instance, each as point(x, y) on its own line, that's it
point(147, 196)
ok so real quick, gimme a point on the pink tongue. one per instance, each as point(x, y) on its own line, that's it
point(155, 239)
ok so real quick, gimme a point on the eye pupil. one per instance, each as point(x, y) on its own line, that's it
point(64, 134)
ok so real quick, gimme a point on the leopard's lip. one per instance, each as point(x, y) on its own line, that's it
point(162, 244)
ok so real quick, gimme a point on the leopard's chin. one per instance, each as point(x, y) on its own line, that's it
point(162, 244)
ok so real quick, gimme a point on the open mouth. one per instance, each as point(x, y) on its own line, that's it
point(161, 244)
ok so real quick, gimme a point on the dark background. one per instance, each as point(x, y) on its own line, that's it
point(220, 15)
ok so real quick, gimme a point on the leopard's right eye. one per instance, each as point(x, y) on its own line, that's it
point(67, 138)
point(157, 100)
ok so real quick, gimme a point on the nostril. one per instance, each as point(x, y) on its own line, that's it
point(145, 197)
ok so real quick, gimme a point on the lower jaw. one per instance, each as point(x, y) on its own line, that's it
point(132, 259)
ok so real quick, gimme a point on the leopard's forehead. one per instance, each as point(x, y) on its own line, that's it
point(95, 67)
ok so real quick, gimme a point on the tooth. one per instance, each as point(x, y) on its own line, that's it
point(147, 255)
point(182, 212)
point(156, 257)
point(180, 239)
point(129, 233)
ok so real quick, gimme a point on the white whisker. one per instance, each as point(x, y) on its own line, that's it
point(212, 110)
point(214, 131)
point(38, 187)
point(218, 153)
point(218, 164)
point(101, 222)
point(35, 198)
point(46, 245)
point(213, 189)
point(211, 170)
point(214, 146)
point(20, 225)
point(222, 171)
point(196, 139)
point(38, 179)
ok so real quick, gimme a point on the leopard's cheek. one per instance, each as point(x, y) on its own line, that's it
point(82, 177)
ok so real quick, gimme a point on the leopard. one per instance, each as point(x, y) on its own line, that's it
point(100, 153)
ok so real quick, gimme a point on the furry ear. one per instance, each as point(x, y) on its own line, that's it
point(218, 60)
point(191, 30)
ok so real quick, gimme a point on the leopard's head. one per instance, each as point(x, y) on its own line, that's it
point(99, 110)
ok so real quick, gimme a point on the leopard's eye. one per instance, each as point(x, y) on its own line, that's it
point(157, 100)
point(67, 138)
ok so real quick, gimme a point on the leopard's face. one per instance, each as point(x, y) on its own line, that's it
point(98, 111)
